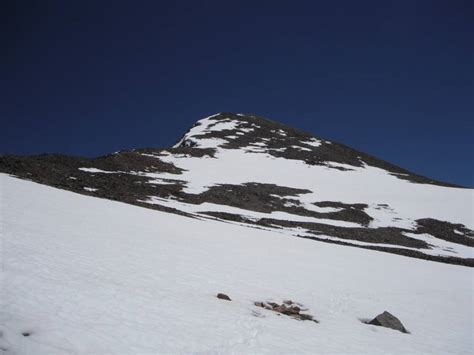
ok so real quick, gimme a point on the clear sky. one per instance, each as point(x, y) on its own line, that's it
point(390, 78)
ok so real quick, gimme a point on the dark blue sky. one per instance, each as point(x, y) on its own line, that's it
point(391, 78)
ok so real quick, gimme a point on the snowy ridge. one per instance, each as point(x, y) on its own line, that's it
point(255, 172)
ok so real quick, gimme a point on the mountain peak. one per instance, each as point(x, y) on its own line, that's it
point(255, 172)
point(255, 134)
point(250, 132)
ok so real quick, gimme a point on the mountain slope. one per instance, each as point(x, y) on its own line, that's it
point(87, 275)
point(255, 172)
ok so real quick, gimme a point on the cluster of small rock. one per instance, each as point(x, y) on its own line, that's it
point(293, 309)
point(288, 308)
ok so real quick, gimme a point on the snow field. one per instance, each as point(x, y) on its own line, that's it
point(85, 275)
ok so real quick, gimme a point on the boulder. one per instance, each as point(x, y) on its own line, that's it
point(388, 320)
point(223, 296)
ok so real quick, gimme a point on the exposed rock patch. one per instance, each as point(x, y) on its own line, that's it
point(250, 196)
point(266, 198)
point(336, 204)
point(383, 235)
point(113, 177)
point(289, 308)
point(454, 233)
point(400, 251)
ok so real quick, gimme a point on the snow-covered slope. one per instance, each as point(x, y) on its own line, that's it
point(85, 275)
point(255, 172)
